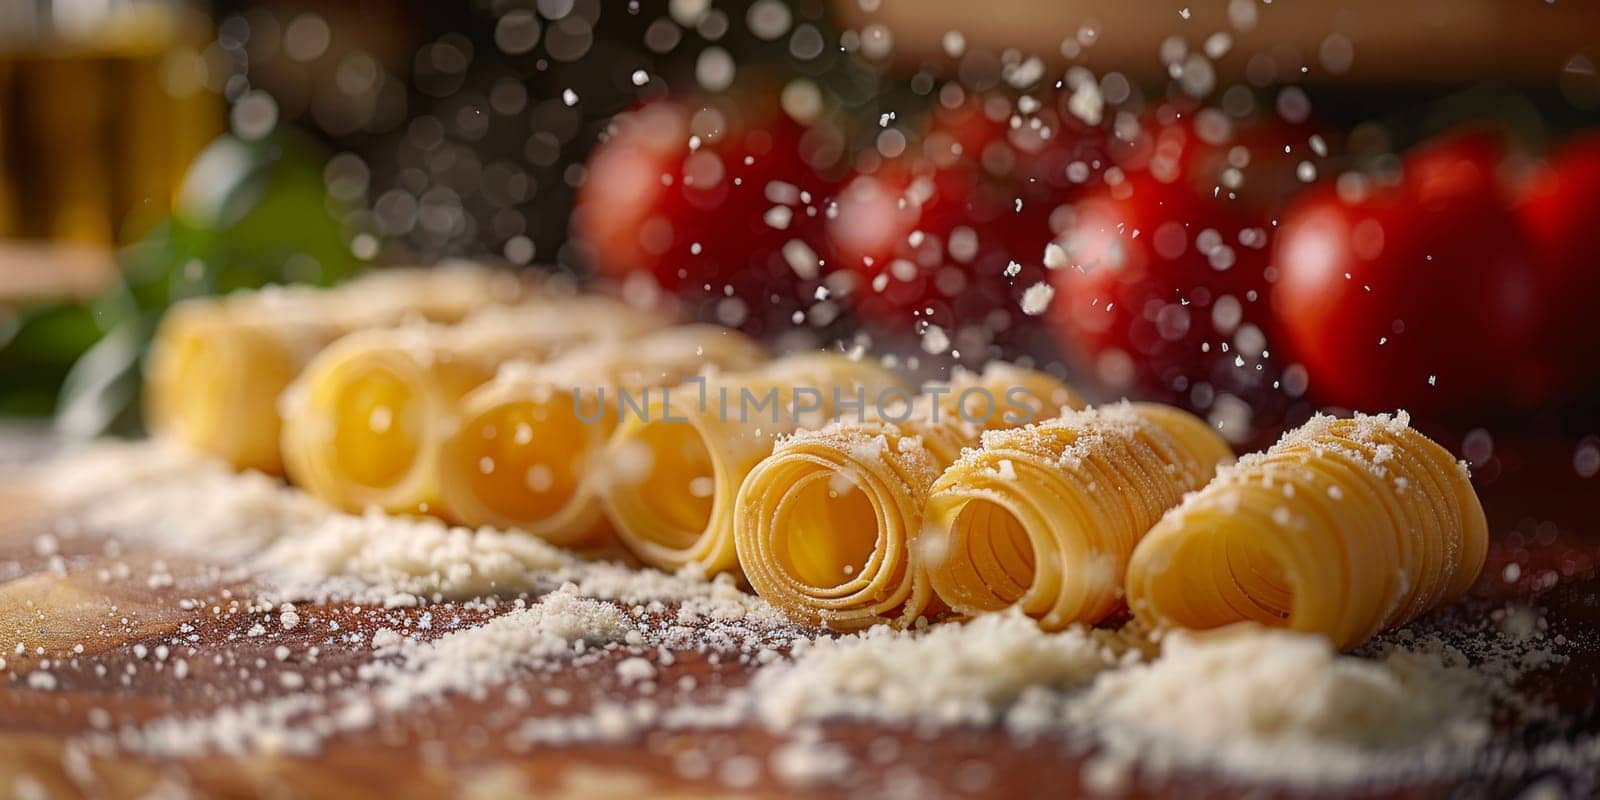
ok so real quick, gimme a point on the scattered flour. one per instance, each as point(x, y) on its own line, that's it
point(407, 560)
point(967, 674)
point(302, 549)
point(473, 660)
point(89, 472)
point(1257, 704)
point(1283, 706)
point(559, 629)
point(807, 762)
point(159, 493)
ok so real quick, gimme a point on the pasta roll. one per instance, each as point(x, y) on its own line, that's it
point(446, 293)
point(951, 418)
point(1345, 527)
point(1045, 517)
point(826, 526)
point(522, 453)
point(212, 379)
point(364, 422)
point(217, 365)
point(675, 466)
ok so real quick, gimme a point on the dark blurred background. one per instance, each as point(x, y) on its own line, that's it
point(152, 150)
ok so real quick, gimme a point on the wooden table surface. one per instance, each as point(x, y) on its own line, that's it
point(1360, 42)
point(1545, 517)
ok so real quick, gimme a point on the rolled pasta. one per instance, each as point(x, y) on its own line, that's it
point(365, 421)
point(1345, 527)
point(675, 466)
point(827, 526)
point(522, 454)
point(1045, 517)
point(218, 364)
point(213, 377)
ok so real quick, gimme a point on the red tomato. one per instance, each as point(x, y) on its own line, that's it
point(1167, 140)
point(1159, 286)
point(962, 134)
point(955, 233)
point(1419, 296)
point(939, 247)
point(1460, 162)
point(1257, 162)
point(1559, 209)
point(1033, 151)
point(710, 206)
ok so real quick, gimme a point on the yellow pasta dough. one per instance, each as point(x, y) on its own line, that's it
point(1344, 527)
point(217, 365)
point(521, 455)
point(827, 526)
point(364, 422)
point(673, 468)
point(1045, 517)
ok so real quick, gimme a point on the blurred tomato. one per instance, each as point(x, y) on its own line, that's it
point(1462, 161)
point(1167, 140)
point(964, 133)
point(954, 233)
point(1559, 210)
point(1261, 163)
point(938, 245)
point(712, 205)
point(1420, 295)
point(1162, 287)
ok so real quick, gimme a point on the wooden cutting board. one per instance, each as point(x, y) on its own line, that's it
point(68, 591)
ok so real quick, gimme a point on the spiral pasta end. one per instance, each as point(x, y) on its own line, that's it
point(1045, 517)
point(1345, 527)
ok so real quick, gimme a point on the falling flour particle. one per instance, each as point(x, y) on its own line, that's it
point(1036, 298)
point(778, 217)
point(1026, 74)
point(1086, 103)
point(1055, 256)
point(702, 486)
point(540, 478)
point(801, 259)
point(954, 43)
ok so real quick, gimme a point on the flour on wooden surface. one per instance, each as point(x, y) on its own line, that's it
point(1260, 705)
